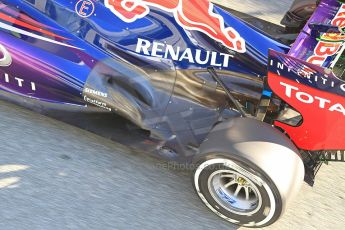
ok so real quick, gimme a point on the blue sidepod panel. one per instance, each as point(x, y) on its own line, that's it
point(152, 70)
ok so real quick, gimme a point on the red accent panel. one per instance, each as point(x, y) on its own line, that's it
point(321, 129)
point(22, 16)
point(28, 26)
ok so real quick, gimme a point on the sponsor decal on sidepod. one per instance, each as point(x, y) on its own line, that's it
point(85, 8)
point(161, 50)
point(5, 57)
point(5, 61)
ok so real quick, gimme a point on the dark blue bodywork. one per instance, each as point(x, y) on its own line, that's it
point(93, 62)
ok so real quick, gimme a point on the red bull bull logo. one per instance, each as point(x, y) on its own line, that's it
point(330, 43)
point(195, 15)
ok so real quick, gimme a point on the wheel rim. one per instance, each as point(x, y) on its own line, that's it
point(234, 192)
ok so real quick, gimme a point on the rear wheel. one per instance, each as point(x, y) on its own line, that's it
point(237, 192)
point(247, 172)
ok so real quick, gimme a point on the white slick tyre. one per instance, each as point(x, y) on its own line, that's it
point(247, 172)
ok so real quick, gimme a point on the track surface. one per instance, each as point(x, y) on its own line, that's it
point(55, 176)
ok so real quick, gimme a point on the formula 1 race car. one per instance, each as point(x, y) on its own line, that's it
point(190, 82)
